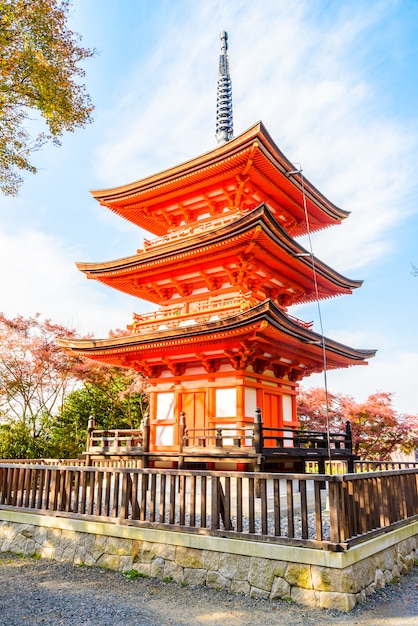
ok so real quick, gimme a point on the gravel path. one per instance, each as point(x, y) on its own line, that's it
point(42, 592)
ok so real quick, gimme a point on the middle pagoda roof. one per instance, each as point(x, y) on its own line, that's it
point(253, 252)
point(239, 174)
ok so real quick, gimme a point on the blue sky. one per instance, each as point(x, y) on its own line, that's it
point(336, 85)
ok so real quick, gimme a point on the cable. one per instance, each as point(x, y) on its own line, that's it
point(324, 353)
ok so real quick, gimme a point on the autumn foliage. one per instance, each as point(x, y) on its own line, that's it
point(47, 394)
point(35, 376)
point(40, 70)
point(378, 430)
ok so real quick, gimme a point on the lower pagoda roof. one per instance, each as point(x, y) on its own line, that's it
point(261, 338)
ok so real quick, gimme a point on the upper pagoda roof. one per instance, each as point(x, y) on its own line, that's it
point(241, 173)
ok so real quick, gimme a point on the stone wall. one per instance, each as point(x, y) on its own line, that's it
point(312, 577)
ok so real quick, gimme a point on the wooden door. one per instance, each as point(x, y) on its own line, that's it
point(194, 406)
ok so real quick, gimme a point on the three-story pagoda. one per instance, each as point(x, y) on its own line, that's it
point(223, 267)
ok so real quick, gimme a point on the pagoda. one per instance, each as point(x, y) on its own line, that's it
point(222, 267)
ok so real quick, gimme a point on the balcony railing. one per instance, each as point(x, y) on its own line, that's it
point(200, 311)
point(196, 228)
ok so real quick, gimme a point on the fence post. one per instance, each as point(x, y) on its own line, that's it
point(258, 447)
point(258, 432)
point(182, 430)
point(90, 429)
point(180, 462)
point(348, 437)
point(145, 439)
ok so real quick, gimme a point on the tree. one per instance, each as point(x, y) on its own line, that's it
point(378, 430)
point(47, 394)
point(35, 376)
point(114, 396)
point(39, 70)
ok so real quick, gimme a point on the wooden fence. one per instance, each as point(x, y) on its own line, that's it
point(328, 512)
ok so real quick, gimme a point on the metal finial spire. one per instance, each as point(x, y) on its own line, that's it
point(224, 128)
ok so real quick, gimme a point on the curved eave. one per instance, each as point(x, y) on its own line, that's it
point(260, 218)
point(259, 145)
point(261, 320)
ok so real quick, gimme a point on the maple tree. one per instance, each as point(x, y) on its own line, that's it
point(39, 70)
point(35, 376)
point(114, 396)
point(378, 430)
point(47, 394)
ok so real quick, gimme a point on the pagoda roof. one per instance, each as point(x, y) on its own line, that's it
point(240, 173)
point(254, 244)
point(262, 334)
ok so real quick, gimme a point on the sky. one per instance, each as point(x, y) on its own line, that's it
point(335, 84)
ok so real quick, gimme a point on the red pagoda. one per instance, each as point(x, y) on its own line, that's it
point(223, 268)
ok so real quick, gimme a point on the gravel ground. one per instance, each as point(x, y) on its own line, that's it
point(43, 592)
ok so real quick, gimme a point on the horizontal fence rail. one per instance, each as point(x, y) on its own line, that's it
point(329, 512)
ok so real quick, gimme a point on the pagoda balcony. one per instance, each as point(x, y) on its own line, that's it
point(203, 311)
point(197, 228)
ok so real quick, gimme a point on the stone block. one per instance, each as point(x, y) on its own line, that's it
point(151, 551)
point(405, 563)
point(81, 557)
point(99, 547)
point(329, 579)
point(308, 597)
point(388, 576)
point(379, 580)
point(173, 570)
point(136, 550)
point(27, 546)
point(210, 560)
point(256, 592)
point(363, 574)
point(217, 581)
point(261, 573)
point(189, 557)
point(68, 539)
point(279, 589)
point(157, 567)
point(279, 568)
point(370, 589)
point(47, 552)
point(193, 576)
point(27, 531)
point(234, 566)
point(125, 563)
point(240, 586)
point(117, 545)
point(340, 601)
point(142, 568)
point(299, 575)
point(109, 561)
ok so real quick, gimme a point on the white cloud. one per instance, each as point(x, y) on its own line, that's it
point(39, 276)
